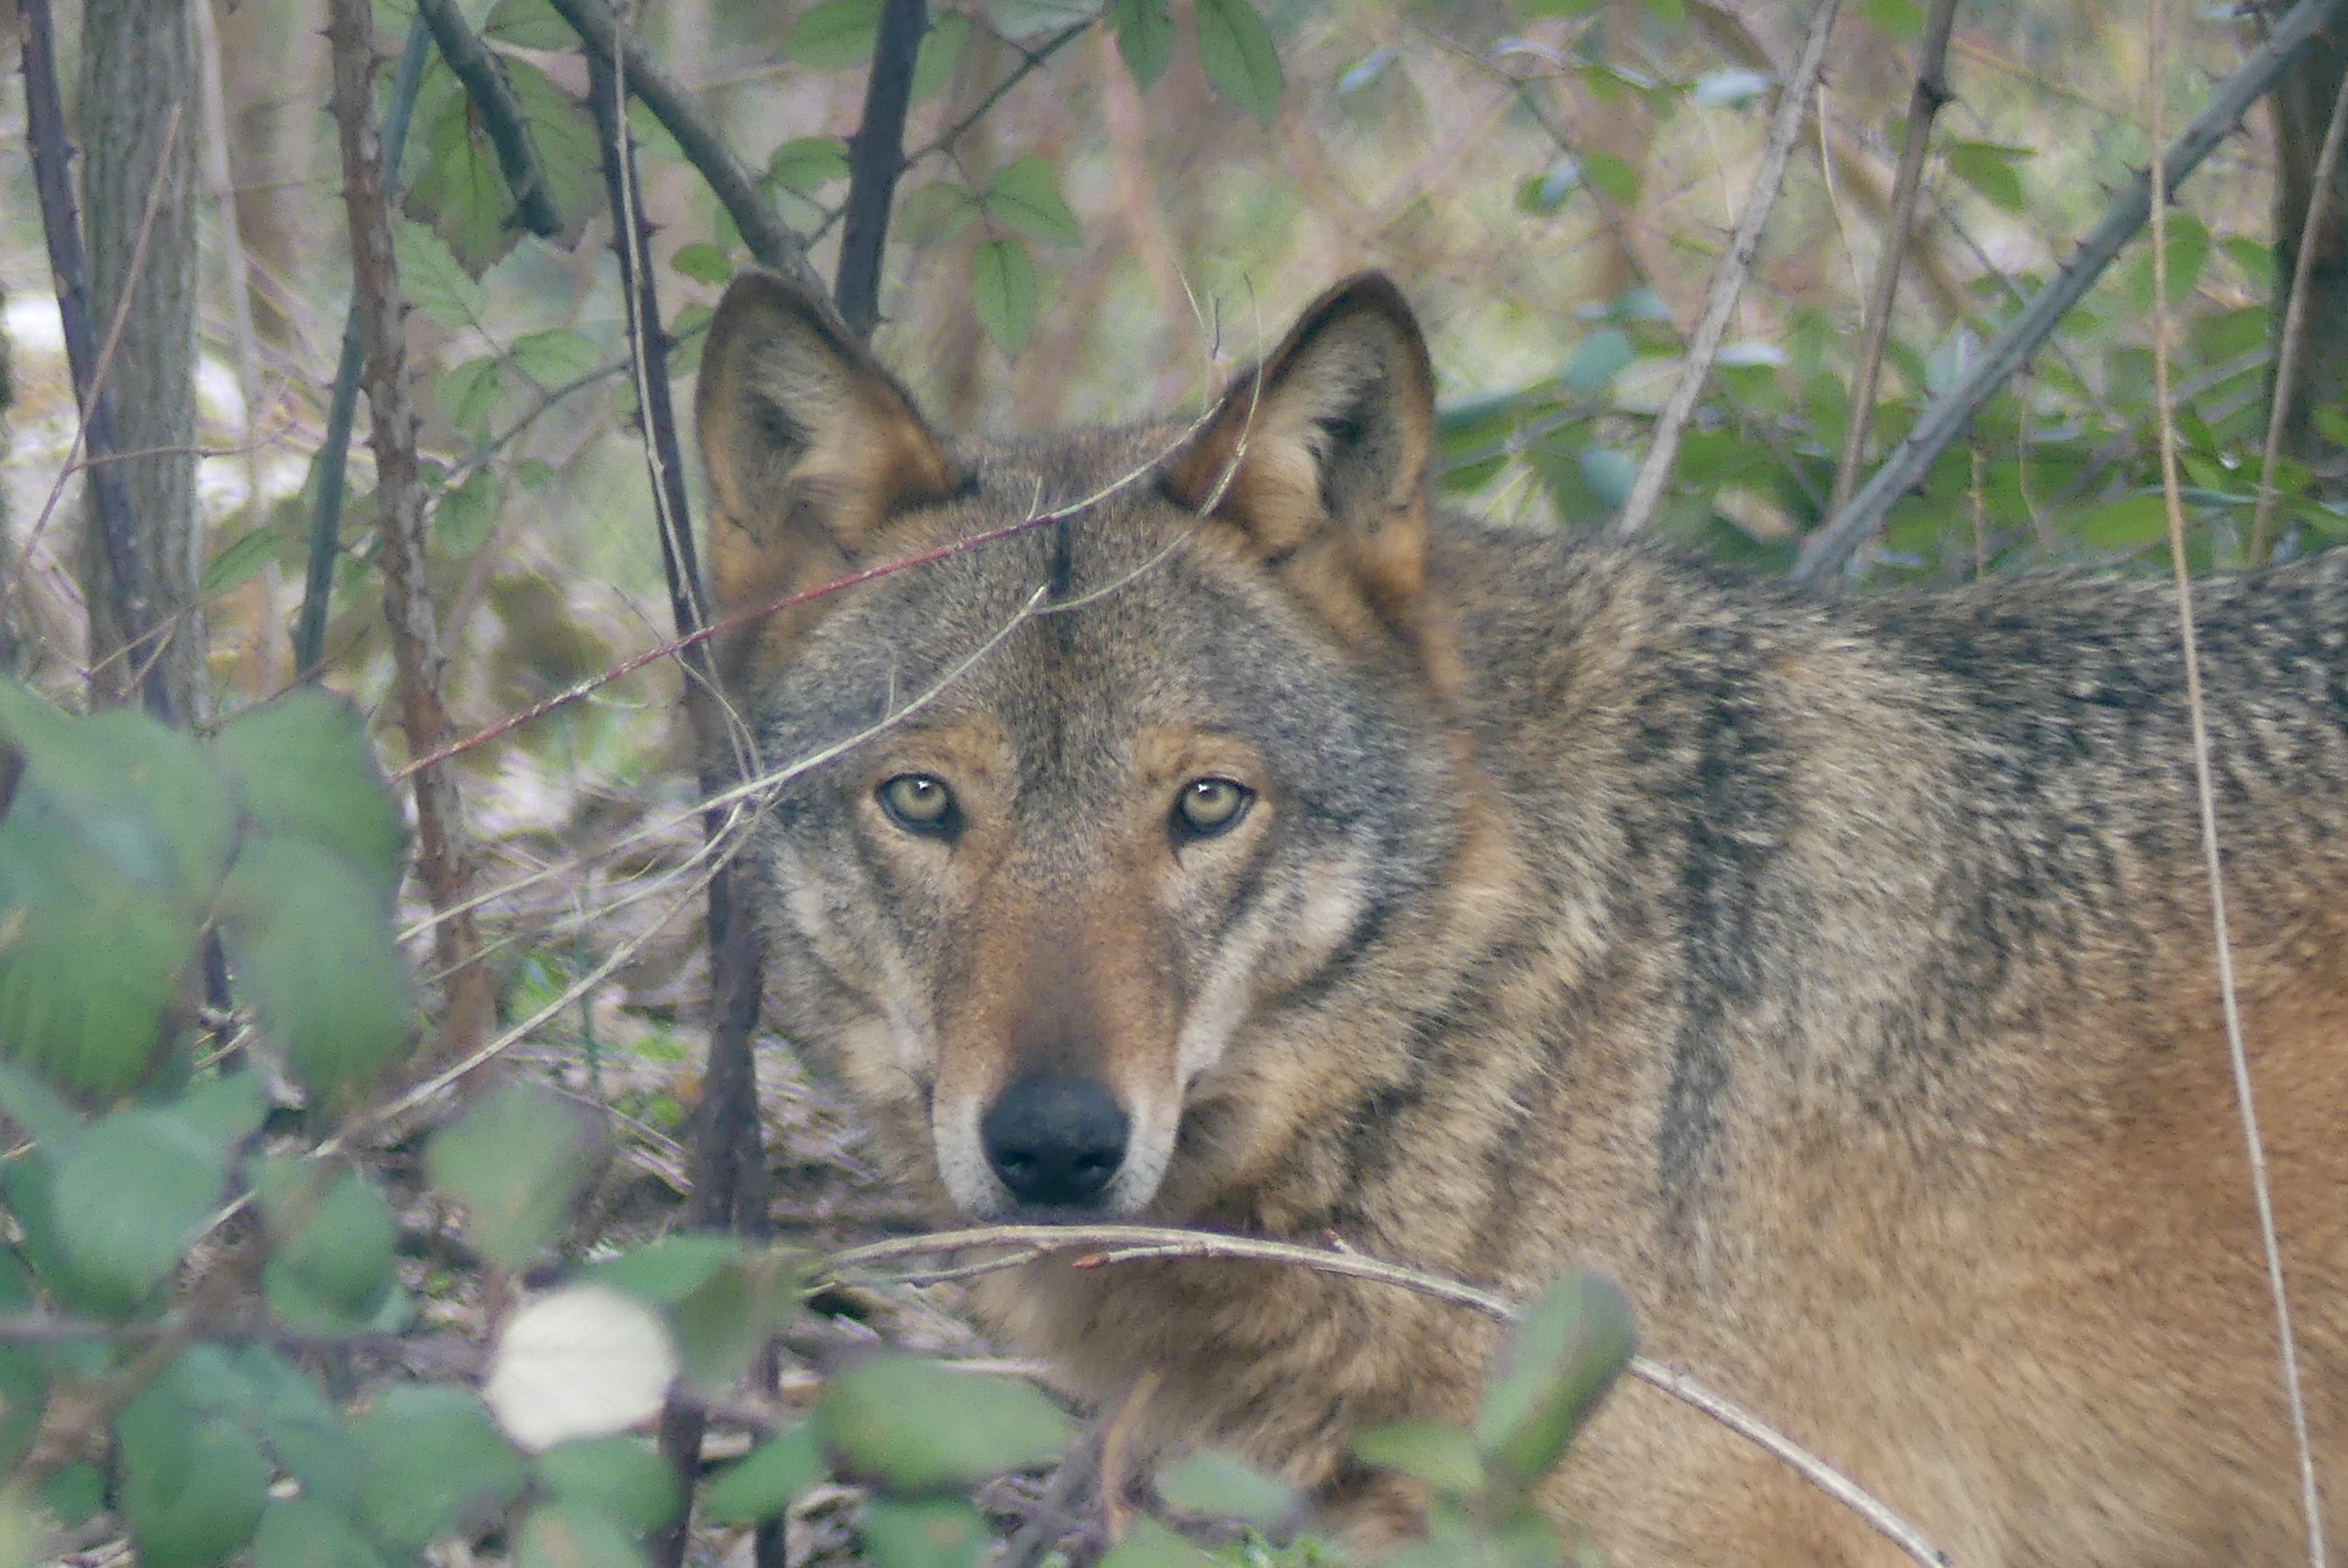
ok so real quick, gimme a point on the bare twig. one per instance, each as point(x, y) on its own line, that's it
point(407, 602)
point(1925, 102)
point(2286, 362)
point(727, 1160)
point(1104, 1246)
point(762, 230)
point(470, 61)
point(1834, 543)
point(2155, 72)
point(1785, 129)
point(110, 492)
point(333, 460)
point(875, 156)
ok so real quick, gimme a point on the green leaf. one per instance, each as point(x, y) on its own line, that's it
point(808, 163)
point(131, 1195)
point(1241, 62)
point(1027, 196)
point(435, 1464)
point(1020, 20)
point(554, 358)
point(241, 560)
point(1444, 1457)
point(945, 1532)
point(303, 1431)
point(432, 278)
point(313, 950)
point(941, 50)
point(192, 1491)
point(1595, 360)
point(621, 1476)
point(935, 213)
point(517, 1160)
point(766, 1482)
point(468, 394)
point(332, 1236)
point(836, 34)
point(2130, 523)
point(919, 1426)
point(564, 133)
point(1145, 31)
point(464, 517)
point(1902, 19)
point(570, 1534)
point(1612, 177)
point(76, 1493)
point(528, 24)
point(1150, 1544)
point(1214, 1483)
point(1004, 292)
point(665, 1271)
point(303, 1533)
point(703, 263)
point(1559, 1359)
point(721, 1325)
point(1988, 168)
point(305, 771)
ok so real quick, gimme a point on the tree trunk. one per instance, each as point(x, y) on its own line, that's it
point(2303, 108)
point(138, 125)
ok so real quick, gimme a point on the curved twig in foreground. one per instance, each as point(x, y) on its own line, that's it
point(1106, 1245)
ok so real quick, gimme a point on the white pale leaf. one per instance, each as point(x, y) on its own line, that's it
point(580, 1361)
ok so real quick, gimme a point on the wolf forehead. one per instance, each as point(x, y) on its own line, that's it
point(1044, 636)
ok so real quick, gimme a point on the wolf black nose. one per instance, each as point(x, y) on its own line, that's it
point(1055, 1141)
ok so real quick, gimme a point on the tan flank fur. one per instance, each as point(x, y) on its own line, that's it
point(1835, 972)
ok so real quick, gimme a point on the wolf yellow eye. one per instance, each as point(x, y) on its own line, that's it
point(918, 803)
point(1210, 806)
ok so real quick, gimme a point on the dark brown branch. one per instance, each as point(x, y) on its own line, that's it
point(773, 245)
point(1923, 103)
point(399, 500)
point(1953, 410)
point(110, 492)
point(475, 66)
point(875, 156)
point(727, 1161)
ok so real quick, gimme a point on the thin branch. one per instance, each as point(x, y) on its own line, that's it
point(728, 1159)
point(1030, 61)
point(110, 491)
point(1925, 102)
point(875, 156)
point(2287, 363)
point(408, 599)
point(1834, 544)
point(1108, 1246)
point(1785, 129)
point(472, 64)
point(333, 460)
point(774, 246)
point(2155, 72)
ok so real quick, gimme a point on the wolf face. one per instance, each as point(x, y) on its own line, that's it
point(1069, 920)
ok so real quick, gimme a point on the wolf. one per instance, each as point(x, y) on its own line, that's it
point(1255, 844)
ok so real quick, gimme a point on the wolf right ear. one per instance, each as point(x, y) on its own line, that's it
point(811, 446)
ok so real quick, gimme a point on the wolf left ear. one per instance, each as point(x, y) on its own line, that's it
point(811, 446)
point(1320, 457)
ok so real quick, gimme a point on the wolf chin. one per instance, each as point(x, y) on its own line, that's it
point(1259, 846)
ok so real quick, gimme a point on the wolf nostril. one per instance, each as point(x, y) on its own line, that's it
point(1055, 1141)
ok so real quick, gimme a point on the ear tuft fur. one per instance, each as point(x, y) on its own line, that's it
point(1319, 457)
point(811, 446)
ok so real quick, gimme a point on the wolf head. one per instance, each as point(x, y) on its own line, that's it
point(1109, 818)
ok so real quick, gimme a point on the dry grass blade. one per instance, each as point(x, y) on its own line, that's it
point(2206, 796)
point(1105, 1246)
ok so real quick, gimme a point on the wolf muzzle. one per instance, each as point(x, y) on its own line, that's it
point(1055, 1141)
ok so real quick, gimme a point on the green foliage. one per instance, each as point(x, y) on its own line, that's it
point(517, 1160)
